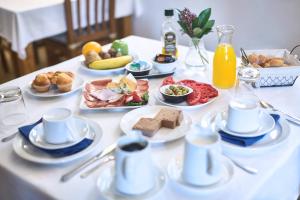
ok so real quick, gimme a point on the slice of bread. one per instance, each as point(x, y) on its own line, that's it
point(170, 118)
point(148, 126)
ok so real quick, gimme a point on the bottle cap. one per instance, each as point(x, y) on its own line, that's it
point(169, 12)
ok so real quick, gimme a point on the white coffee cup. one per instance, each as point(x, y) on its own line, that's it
point(58, 126)
point(202, 157)
point(134, 169)
point(243, 115)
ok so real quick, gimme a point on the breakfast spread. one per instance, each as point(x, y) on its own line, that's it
point(259, 60)
point(166, 117)
point(116, 57)
point(202, 92)
point(121, 91)
point(62, 80)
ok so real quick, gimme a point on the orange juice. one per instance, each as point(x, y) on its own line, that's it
point(224, 66)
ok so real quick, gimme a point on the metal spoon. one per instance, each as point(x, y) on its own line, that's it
point(246, 168)
point(267, 105)
point(10, 137)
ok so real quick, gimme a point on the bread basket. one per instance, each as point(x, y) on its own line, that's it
point(277, 76)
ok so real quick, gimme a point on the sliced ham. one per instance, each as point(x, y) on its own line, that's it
point(88, 97)
point(102, 82)
point(91, 88)
point(142, 82)
point(106, 95)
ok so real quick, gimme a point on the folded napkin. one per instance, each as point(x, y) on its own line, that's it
point(25, 130)
point(244, 141)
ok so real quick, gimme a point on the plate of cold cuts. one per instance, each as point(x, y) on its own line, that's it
point(123, 92)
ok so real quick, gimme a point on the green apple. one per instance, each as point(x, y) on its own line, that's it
point(120, 46)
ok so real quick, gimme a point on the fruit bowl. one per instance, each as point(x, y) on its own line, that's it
point(163, 66)
point(139, 68)
point(170, 95)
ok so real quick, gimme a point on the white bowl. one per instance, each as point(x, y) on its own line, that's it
point(165, 67)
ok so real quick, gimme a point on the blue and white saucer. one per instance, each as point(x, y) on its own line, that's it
point(36, 135)
point(267, 124)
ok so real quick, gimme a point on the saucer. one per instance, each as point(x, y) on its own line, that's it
point(175, 170)
point(267, 123)
point(26, 150)
point(105, 185)
point(36, 135)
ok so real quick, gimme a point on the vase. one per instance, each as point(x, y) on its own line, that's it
point(196, 56)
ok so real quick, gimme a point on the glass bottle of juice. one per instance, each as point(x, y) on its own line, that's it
point(168, 35)
point(224, 64)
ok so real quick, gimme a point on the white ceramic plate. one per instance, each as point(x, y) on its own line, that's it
point(102, 72)
point(164, 134)
point(53, 92)
point(27, 151)
point(105, 185)
point(183, 105)
point(175, 170)
point(273, 139)
point(36, 135)
point(267, 123)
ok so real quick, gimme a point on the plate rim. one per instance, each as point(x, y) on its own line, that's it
point(98, 132)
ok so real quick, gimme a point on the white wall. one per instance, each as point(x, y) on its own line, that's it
point(259, 23)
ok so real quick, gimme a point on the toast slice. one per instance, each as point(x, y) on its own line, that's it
point(148, 126)
point(170, 118)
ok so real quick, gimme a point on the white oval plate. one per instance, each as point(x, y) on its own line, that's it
point(174, 172)
point(36, 135)
point(101, 72)
point(267, 123)
point(27, 151)
point(53, 92)
point(163, 135)
point(105, 185)
point(183, 105)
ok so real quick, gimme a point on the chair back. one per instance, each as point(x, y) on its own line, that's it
point(84, 23)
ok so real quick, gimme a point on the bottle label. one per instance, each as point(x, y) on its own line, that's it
point(170, 43)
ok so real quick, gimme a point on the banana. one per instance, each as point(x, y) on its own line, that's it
point(111, 63)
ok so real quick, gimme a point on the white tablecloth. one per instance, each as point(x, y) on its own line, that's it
point(278, 177)
point(25, 21)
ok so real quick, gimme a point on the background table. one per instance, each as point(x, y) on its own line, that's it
point(25, 21)
point(278, 177)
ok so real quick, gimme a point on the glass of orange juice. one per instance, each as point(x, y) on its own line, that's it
point(224, 63)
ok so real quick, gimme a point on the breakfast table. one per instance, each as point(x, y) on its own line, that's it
point(278, 174)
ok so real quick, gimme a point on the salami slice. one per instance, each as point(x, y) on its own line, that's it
point(102, 82)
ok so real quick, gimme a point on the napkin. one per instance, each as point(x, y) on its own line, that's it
point(244, 141)
point(25, 130)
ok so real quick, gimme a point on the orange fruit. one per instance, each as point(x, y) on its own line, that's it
point(91, 46)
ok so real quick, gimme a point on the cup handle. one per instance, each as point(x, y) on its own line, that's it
point(126, 168)
point(212, 162)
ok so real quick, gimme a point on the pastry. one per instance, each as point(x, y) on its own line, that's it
point(55, 75)
point(148, 126)
point(64, 82)
point(266, 61)
point(41, 83)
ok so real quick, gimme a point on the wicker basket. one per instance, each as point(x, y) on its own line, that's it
point(277, 76)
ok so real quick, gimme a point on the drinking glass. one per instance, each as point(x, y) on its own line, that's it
point(12, 108)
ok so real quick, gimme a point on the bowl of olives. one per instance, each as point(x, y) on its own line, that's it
point(165, 63)
point(175, 93)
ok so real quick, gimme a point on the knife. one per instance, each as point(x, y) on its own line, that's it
point(88, 162)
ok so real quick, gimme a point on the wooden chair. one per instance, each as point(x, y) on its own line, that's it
point(3, 60)
point(70, 43)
